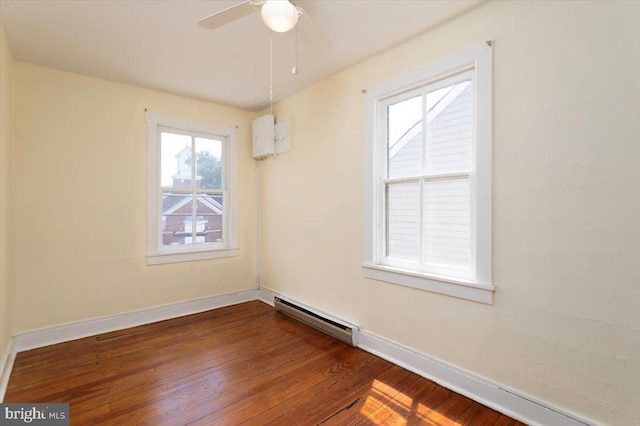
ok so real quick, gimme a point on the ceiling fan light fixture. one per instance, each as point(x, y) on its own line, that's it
point(279, 15)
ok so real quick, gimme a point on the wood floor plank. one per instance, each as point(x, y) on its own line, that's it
point(377, 393)
point(478, 414)
point(399, 407)
point(176, 378)
point(243, 364)
point(336, 392)
point(308, 373)
point(505, 421)
point(217, 387)
point(111, 357)
point(449, 411)
point(191, 403)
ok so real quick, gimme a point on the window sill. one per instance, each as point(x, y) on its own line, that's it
point(462, 289)
point(188, 256)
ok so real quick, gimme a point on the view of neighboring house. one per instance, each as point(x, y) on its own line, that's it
point(445, 229)
point(177, 209)
point(448, 135)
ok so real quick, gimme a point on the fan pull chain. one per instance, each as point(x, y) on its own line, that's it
point(294, 71)
point(271, 70)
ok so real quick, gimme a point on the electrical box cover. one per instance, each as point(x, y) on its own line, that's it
point(283, 137)
point(263, 136)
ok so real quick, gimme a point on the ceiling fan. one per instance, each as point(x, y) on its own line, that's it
point(279, 15)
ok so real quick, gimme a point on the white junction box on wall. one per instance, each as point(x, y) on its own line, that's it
point(283, 137)
point(270, 138)
point(263, 136)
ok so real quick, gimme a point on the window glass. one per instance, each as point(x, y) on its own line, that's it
point(447, 223)
point(449, 128)
point(209, 163)
point(175, 160)
point(176, 212)
point(404, 138)
point(209, 211)
point(403, 221)
point(428, 219)
point(191, 190)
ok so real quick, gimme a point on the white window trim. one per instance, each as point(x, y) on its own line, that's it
point(155, 253)
point(481, 288)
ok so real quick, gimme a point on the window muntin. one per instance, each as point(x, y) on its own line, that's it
point(428, 149)
point(191, 190)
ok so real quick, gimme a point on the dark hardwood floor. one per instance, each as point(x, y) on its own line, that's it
point(244, 364)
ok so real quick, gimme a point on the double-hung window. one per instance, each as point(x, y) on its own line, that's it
point(191, 195)
point(429, 178)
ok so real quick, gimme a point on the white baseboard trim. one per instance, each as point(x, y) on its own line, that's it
point(267, 296)
point(501, 398)
point(508, 401)
point(33, 339)
point(6, 365)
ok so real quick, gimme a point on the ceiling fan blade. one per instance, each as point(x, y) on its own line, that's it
point(227, 15)
point(312, 34)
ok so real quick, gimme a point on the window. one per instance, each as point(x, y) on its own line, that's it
point(428, 193)
point(191, 190)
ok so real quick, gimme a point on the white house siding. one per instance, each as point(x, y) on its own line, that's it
point(448, 141)
point(446, 208)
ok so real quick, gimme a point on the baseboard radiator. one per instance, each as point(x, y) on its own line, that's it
point(346, 333)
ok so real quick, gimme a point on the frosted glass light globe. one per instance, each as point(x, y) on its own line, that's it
point(279, 15)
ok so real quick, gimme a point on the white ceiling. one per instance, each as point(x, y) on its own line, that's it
point(157, 44)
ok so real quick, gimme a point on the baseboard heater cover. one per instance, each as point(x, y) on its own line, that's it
point(341, 331)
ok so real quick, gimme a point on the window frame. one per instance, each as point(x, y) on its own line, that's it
point(158, 253)
point(477, 285)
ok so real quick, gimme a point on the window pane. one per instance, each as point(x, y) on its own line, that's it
point(175, 160)
point(449, 128)
point(208, 163)
point(176, 219)
point(447, 222)
point(403, 221)
point(209, 216)
point(404, 138)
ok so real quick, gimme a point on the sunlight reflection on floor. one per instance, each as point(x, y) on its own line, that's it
point(385, 405)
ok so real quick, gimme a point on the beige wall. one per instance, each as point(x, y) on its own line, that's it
point(80, 201)
point(565, 325)
point(6, 279)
